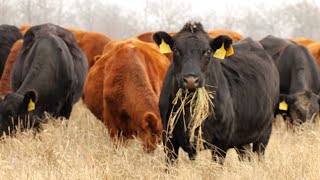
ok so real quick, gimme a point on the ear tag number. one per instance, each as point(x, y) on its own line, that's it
point(164, 47)
point(31, 106)
point(283, 106)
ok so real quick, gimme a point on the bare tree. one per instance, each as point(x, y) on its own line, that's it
point(303, 17)
point(167, 15)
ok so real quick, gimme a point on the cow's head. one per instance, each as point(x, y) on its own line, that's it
point(14, 106)
point(192, 51)
point(302, 106)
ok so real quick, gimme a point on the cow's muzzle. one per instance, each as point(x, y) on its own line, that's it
point(190, 82)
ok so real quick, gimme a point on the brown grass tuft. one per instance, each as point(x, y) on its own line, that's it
point(201, 107)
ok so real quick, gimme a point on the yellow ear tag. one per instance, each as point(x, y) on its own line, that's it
point(283, 106)
point(229, 51)
point(31, 106)
point(220, 53)
point(164, 47)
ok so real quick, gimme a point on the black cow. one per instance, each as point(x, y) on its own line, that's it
point(8, 36)
point(247, 90)
point(48, 76)
point(299, 78)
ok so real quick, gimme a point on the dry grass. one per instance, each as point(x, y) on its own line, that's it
point(82, 149)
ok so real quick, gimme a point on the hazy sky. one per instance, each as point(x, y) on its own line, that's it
point(219, 6)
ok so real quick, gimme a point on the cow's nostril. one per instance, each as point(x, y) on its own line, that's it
point(185, 80)
point(197, 81)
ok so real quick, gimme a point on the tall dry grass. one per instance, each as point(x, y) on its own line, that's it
point(81, 149)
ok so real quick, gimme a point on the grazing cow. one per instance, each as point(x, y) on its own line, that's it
point(299, 78)
point(123, 88)
point(234, 35)
point(47, 76)
point(246, 87)
point(314, 48)
point(8, 36)
point(5, 81)
point(302, 41)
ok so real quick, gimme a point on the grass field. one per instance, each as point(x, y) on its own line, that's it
point(81, 149)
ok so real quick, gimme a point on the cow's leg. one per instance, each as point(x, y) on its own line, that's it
point(242, 151)
point(187, 147)
point(66, 109)
point(192, 154)
point(260, 146)
point(219, 154)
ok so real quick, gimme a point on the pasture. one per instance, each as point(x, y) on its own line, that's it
point(81, 148)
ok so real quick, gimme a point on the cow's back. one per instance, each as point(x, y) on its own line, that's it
point(8, 36)
point(302, 41)
point(296, 66)
point(93, 87)
point(234, 35)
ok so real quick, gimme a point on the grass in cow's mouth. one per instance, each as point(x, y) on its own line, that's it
point(200, 106)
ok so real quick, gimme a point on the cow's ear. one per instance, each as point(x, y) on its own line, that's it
point(28, 38)
point(152, 122)
point(221, 46)
point(30, 99)
point(164, 41)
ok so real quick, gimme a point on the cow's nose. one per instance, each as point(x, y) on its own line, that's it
point(191, 82)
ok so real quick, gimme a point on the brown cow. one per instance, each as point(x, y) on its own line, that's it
point(302, 41)
point(123, 87)
point(314, 48)
point(5, 82)
point(91, 43)
point(24, 28)
point(234, 35)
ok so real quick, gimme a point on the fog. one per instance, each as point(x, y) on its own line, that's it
point(120, 19)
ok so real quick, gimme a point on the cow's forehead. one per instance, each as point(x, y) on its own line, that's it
point(191, 40)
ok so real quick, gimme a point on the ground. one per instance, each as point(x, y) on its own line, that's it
point(80, 148)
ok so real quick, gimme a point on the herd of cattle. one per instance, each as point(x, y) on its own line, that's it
point(129, 84)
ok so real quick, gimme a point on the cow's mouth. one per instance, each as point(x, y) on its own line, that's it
point(187, 90)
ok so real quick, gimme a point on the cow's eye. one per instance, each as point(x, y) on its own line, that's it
point(207, 53)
